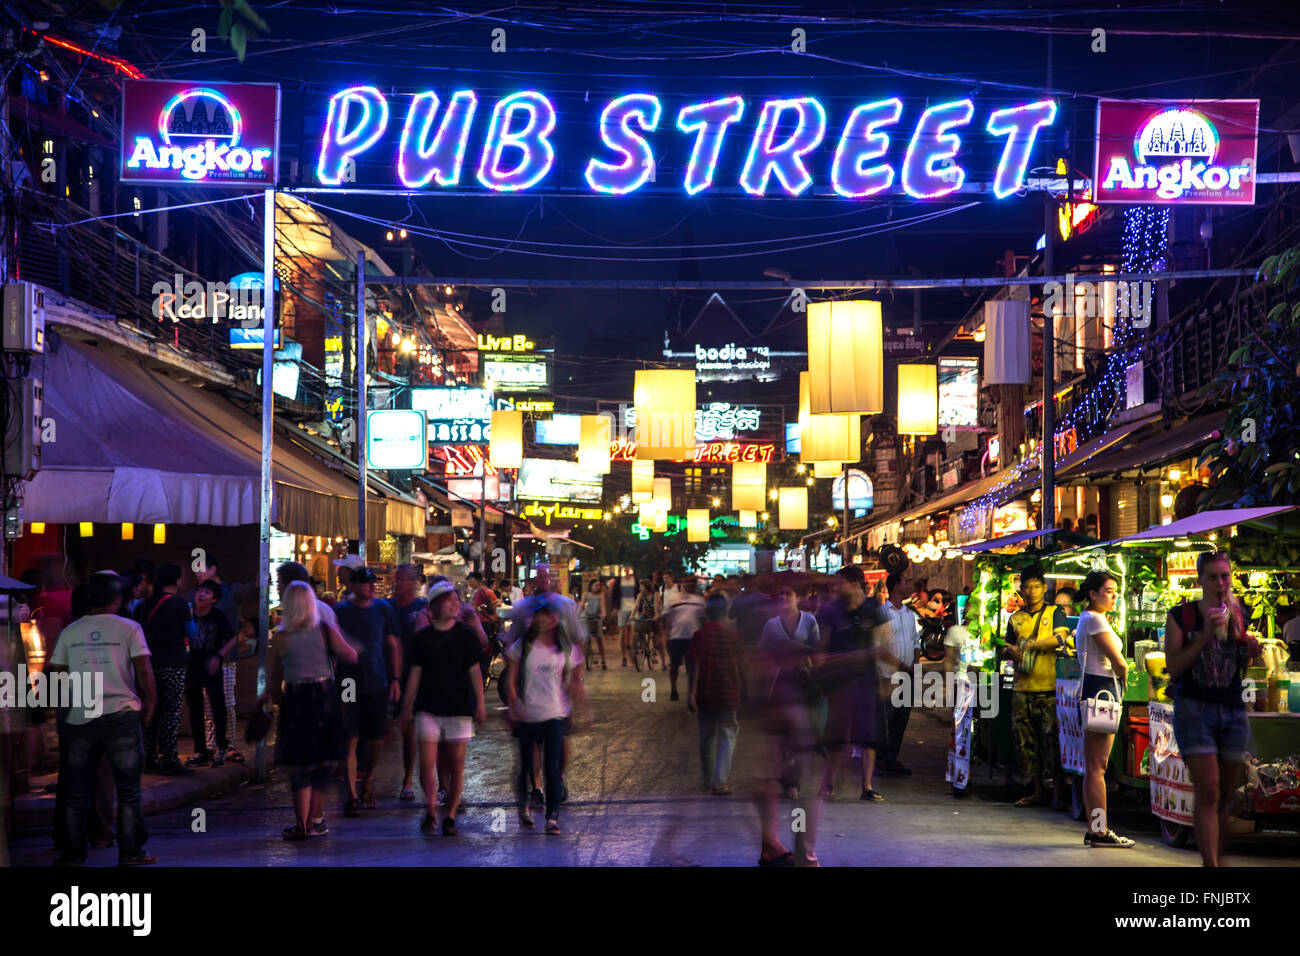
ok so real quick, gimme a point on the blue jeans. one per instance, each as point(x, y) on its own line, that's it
point(550, 734)
point(718, 730)
point(118, 737)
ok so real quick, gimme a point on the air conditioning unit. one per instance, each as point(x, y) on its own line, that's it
point(24, 318)
point(22, 454)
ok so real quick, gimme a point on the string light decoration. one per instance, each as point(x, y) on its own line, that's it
point(1144, 250)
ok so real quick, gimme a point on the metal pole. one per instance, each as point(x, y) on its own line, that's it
point(482, 521)
point(1049, 361)
point(844, 536)
point(361, 404)
point(268, 435)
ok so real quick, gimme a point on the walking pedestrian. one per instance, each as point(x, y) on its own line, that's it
point(1101, 655)
point(903, 654)
point(300, 678)
point(716, 677)
point(683, 613)
point(444, 700)
point(543, 684)
point(485, 602)
point(593, 619)
point(1208, 651)
point(798, 628)
point(371, 625)
point(407, 605)
point(167, 622)
point(214, 640)
point(105, 646)
point(628, 592)
point(232, 597)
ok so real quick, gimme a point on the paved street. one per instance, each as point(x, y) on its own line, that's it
point(632, 804)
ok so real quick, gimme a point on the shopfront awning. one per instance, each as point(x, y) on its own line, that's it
point(132, 445)
point(1154, 447)
point(1077, 461)
point(1201, 523)
point(1005, 541)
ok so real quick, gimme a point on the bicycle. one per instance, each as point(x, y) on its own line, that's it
point(645, 649)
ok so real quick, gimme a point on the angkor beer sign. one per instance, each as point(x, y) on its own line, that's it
point(1181, 152)
point(434, 140)
point(220, 134)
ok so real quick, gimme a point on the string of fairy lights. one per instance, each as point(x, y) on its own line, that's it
point(1144, 249)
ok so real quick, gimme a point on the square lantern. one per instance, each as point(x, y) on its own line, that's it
point(664, 492)
point(593, 444)
point(665, 413)
point(128, 531)
point(827, 469)
point(793, 505)
point(643, 481)
point(749, 485)
point(747, 519)
point(506, 449)
point(697, 525)
point(918, 399)
point(846, 357)
point(835, 438)
point(1008, 357)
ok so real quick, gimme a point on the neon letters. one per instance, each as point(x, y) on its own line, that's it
point(518, 148)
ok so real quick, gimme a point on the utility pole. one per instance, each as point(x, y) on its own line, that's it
point(268, 438)
point(1048, 446)
point(361, 404)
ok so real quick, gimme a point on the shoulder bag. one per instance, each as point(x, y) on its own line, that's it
point(1101, 714)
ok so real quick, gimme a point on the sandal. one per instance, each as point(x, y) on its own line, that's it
point(785, 859)
point(408, 793)
point(295, 834)
point(869, 794)
point(552, 826)
point(526, 818)
point(352, 808)
point(1029, 801)
point(368, 800)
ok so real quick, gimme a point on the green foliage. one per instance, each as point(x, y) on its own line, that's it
point(1261, 383)
point(240, 23)
point(616, 544)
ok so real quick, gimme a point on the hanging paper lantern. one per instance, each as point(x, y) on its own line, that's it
point(827, 469)
point(1007, 357)
point(846, 358)
point(747, 519)
point(665, 413)
point(160, 534)
point(836, 438)
point(128, 531)
point(643, 481)
point(654, 515)
point(38, 527)
point(697, 525)
point(749, 485)
point(593, 444)
point(664, 492)
point(506, 449)
point(87, 529)
point(918, 399)
point(793, 505)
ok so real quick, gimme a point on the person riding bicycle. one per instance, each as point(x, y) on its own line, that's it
point(643, 621)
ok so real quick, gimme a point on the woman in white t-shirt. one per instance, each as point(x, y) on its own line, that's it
point(1101, 657)
point(543, 680)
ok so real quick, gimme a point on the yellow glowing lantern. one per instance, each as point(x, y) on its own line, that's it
point(643, 481)
point(846, 358)
point(593, 444)
point(836, 438)
point(747, 519)
point(697, 524)
point(793, 509)
point(160, 534)
point(38, 527)
point(128, 531)
point(918, 399)
point(665, 413)
point(748, 485)
point(827, 469)
point(506, 450)
point(87, 528)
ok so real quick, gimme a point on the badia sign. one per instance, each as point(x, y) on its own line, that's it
point(220, 134)
point(763, 146)
point(1181, 152)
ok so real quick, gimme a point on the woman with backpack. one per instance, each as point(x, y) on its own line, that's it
point(543, 681)
point(300, 679)
point(643, 619)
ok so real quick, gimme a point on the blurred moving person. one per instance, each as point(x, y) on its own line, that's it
point(683, 613)
point(716, 678)
point(793, 635)
point(593, 619)
point(407, 604)
point(167, 622)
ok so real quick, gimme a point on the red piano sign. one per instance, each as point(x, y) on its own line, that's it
point(1179, 152)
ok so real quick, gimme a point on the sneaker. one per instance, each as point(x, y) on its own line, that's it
point(1109, 839)
point(234, 756)
point(219, 758)
point(429, 823)
point(526, 817)
point(449, 826)
point(552, 826)
point(874, 795)
point(139, 859)
point(318, 827)
point(537, 799)
point(294, 834)
point(722, 791)
point(199, 760)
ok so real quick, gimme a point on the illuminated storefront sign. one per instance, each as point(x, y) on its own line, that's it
point(515, 373)
point(456, 416)
point(505, 343)
point(554, 480)
point(714, 421)
point(222, 134)
point(862, 494)
point(714, 451)
point(395, 438)
point(506, 403)
point(733, 358)
point(1172, 151)
point(777, 139)
point(959, 390)
point(550, 511)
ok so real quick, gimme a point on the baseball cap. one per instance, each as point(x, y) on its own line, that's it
point(364, 575)
point(440, 588)
point(352, 561)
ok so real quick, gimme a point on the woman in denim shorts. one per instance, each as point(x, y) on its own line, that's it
point(1207, 652)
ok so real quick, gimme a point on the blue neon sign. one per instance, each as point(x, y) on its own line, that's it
point(784, 144)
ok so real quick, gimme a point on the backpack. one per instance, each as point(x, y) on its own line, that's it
point(523, 656)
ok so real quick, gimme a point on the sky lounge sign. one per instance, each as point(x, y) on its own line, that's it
point(512, 144)
point(221, 134)
point(1181, 152)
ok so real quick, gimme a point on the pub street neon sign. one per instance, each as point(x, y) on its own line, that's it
point(517, 151)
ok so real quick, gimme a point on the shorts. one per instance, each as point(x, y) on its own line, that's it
point(1093, 683)
point(624, 618)
point(1201, 727)
point(677, 652)
point(644, 626)
point(367, 716)
point(431, 728)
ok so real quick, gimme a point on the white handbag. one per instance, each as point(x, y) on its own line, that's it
point(1101, 713)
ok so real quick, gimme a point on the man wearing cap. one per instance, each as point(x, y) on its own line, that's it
point(372, 626)
point(345, 567)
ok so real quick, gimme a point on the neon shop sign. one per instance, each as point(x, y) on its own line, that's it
point(518, 149)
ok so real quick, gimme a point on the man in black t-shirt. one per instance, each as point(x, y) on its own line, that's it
point(166, 620)
point(214, 640)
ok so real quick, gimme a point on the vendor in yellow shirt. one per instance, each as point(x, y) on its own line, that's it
point(1033, 635)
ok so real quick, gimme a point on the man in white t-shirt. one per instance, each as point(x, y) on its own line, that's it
point(683, 616)
point(905, 647)
point(109, 694)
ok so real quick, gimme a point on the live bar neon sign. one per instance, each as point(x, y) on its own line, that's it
point(518, 149)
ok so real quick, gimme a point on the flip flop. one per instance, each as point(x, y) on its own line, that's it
point(785, 859)
point(408, 793)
